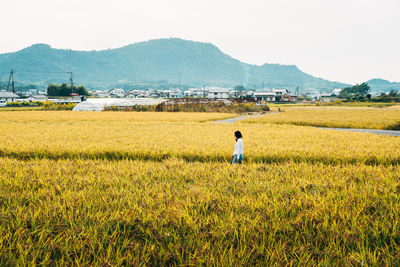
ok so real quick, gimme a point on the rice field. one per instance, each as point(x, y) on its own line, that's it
point(387, 118)
point(115, 188)
point(121, 117)
point(111, 135)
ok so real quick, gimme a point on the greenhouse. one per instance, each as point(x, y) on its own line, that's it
point(99, 104)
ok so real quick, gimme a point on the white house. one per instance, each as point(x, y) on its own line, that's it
point(171, 93)
point(137, 93)
point(264, 96)
point(176, 92)
point(8, 96)
point(327, 98)
point(277, 95)
point(280, 91)
point(216, 92)
point(116, 92)
point(99, 93)
point(163, 93)
point(33, 98)
point(39, 97)
point(246, 94)
point(195, 92)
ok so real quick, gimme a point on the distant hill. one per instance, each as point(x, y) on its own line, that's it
point(154, 60)
point(380, 85)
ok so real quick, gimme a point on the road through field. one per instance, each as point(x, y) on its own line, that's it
point(380, 132)
point(232, 120)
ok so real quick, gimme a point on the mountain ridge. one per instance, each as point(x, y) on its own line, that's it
point(383, 86)
point(196, 63)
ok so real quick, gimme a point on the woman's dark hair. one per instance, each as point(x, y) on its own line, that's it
point(238, 134)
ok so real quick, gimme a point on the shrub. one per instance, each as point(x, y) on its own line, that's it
point(56, 106)
point(265, 108)
point(25, 104)
point(219, 107)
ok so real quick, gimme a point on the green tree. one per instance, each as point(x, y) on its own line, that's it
point(65, 90)
point(81, 90)
point(357, 91)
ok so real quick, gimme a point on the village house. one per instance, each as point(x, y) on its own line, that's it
point(163, 93)
point(276, 95)
point(6, 96)
point(116, 92)
point(33, 98)
point(216, 92)
point(326, 98)
point(175, 93)
point(171, 93)
point(195, 92)
point(99, 94)
point(264, 96)
point(38, 97)
point(248, 95)
point(137, 94)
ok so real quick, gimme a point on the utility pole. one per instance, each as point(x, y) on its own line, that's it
point(263, 86)
point(320, 96)
point(11, 81)
point(204, 91)
point(71, 80)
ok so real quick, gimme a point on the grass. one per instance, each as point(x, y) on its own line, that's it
point(336, 117)
point(117, 188)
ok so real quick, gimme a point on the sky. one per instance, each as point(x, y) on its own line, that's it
point(349, 41)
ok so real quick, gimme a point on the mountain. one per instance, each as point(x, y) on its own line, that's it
point(380, 85)
point(162, 59)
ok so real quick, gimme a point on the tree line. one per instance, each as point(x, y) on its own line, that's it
point(356, 93)
point(65, 90)
point(360, 92)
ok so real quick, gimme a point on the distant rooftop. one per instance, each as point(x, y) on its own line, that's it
point(6, 94)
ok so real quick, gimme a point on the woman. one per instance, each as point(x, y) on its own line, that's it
point(237, 156)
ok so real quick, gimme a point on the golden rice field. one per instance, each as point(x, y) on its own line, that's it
point(116, 188)
point(336, 117)
point(120, 135)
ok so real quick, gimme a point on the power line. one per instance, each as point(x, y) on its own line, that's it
point(11, 79)
point(297, 92)
point(44, 72)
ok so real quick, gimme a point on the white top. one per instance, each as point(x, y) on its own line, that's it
point(238, 147)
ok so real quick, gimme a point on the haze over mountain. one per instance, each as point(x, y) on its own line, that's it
point(195, 63)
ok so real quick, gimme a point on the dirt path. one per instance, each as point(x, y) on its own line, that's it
point(381, 132)
point(233, 120)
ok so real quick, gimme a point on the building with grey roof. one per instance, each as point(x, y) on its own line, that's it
point(8, 96)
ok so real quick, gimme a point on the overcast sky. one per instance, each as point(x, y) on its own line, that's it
point(343, 40)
